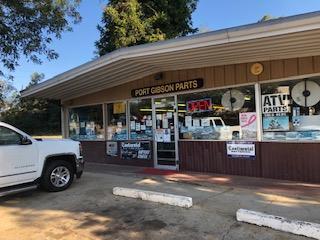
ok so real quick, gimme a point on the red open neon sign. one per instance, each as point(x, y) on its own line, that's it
point(201, 105)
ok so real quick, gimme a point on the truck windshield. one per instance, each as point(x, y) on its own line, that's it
point(218, 122)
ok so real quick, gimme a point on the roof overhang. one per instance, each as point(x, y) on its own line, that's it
point(296, 36)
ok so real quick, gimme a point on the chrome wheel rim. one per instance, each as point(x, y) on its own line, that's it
point(60, 176)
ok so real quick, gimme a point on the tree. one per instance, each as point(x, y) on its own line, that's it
point(33, 115)
point(266, 18)
point(125, 25)
point(6, 89)
point(175, 17)
point(133, 22)
point(35, 79)
point(27, 27)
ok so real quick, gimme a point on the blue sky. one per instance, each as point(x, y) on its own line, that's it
point(77, 47)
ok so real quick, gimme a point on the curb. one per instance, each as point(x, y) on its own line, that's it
point(307, 229)
point(165, 198)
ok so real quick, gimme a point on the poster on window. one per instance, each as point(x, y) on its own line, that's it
point(90, 129)
point(188, 121)
point(133, 125)
point(159, 135)
point(248, 124)
point(277, 123)
point(136, 150)
point(74, 128)
point(112, 149)
point(149, 123)
point(165, 122)
point(119, 108)
point(166, 135)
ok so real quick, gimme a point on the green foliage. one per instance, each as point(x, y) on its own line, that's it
point(266, 18)
point(28, 26)
point(172, 17)
point(6, 89)
point(32, 115)
point(133, 22)
point(35, 79)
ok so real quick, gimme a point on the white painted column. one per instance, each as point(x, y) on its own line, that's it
point(176, 130)
point(154, 123)
point(257, 88)
point(127, 118)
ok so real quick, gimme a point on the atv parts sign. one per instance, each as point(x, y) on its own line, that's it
point(275, 103)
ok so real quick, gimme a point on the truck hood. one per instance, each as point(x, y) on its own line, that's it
point(54, 140)
point(49, 147)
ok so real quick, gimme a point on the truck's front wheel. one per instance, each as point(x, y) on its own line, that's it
point(57, 176)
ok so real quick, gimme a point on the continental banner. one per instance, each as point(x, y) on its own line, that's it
point(136, 150)
point(241, 149)
point(168, 88)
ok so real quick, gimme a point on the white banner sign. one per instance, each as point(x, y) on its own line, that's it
point(241, 149)
point(275, 103)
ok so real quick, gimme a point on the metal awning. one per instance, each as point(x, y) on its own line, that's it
point(289, 37)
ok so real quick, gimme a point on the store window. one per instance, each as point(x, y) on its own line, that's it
point(117, 121)
point(86, 123)
point(141, 119)
point(225, 114)
point(291, 110)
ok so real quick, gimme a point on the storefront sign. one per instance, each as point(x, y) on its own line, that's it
point(241, 149)
point(136, 150)
point(275, 103)
point(202, 105)
point(168, 88)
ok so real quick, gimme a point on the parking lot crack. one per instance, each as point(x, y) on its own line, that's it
point(215, 195)
point(223, 192)
point(230, 228)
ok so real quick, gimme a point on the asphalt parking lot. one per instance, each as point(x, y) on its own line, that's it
point(88, 210)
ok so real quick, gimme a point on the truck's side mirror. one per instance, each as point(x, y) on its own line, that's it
point(25, 141)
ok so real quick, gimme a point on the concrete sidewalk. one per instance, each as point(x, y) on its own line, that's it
point(275, 186)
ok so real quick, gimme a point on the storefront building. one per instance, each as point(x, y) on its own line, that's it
point(243, 101)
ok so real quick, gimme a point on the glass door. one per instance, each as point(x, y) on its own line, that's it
point(165, 144)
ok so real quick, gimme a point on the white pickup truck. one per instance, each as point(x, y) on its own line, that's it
point(26, 162)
